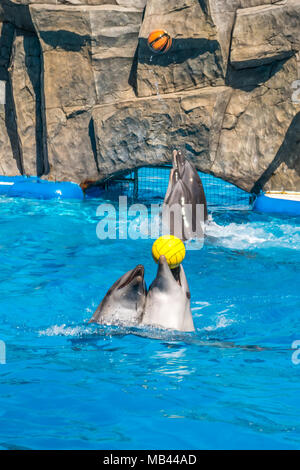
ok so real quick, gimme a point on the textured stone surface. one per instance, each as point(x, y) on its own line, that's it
point(264, 34)
point(87, 52)
point(70, 151)
point(223, 14)
point(25, 71)
point(129, 134)
point(127, 3)
point(6, 40)
point(8, 164)
point(84, 98)
point(235, 134)
point(87, 59)
point(10, 158)
point(254, 127)
point(17, 13)
point(115, 39)
point(195, 56)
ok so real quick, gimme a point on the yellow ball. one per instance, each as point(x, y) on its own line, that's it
point(171, 247)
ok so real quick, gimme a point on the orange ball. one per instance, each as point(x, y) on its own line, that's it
point(159, 41)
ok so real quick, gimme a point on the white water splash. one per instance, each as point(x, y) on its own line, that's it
point(199, 306)
point(222, 322)
point(63, 330)
point(252, 235)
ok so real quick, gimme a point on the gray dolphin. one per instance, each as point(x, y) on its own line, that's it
point(191, 178)
point(168, 300)
point(125, 301)
point(180, 209)
point(185, 198)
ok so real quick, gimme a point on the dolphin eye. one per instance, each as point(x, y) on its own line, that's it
point(188, 294)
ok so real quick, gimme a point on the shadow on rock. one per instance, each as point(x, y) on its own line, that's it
point(288, 153)
point(181, 50)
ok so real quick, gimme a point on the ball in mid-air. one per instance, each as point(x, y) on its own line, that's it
point(159, 41)
point(171, 247)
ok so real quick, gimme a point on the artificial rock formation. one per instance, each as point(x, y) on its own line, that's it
point(83, 96)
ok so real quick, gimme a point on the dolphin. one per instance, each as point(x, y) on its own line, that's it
point(168, 300)
point(125, 301)
point(185, 198)
point(190, 177)
point(177, 217)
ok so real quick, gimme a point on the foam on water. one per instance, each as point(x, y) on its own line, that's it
point(221, 322)
point(63, 330)
point(253, 235)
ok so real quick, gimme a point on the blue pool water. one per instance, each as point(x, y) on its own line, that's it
point(67, 384)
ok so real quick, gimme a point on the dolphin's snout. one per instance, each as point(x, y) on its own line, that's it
point(162, 260)
point(139, 272)
point(136, 275)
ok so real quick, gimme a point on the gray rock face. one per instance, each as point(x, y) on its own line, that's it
point(123, 130)
point(195, 57)
point(86, 62)
point(257, 121)
point(10, 161)
point(265, 34)
point(86, 98)
point(25, 73)
point(6, 41)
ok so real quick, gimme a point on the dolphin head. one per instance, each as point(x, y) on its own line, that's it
point(179, 161)
point(168, 300)
point(186, 169)
point(125, 300)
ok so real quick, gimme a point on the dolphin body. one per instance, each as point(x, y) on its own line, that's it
point(125, 301)
point(184, 198)
point(167, 304)
point(179, 219)
point(168, 300)
point(191, 178)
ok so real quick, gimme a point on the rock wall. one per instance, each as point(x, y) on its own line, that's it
point(82, 96)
